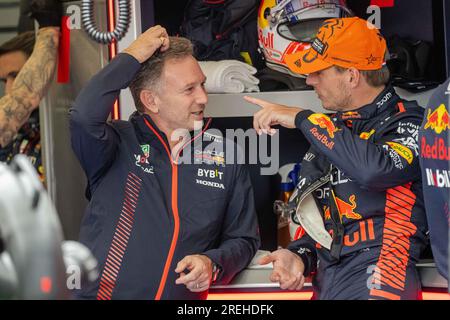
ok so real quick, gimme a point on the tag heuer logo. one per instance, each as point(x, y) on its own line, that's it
point(146, 150)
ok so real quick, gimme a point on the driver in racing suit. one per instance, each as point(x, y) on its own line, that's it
point(362, 170)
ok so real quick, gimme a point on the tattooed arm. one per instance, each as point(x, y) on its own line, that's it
point(30, 85)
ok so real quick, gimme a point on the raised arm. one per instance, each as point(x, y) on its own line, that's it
point(30, 85)
point(94, 141)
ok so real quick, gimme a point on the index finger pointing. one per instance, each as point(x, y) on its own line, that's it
point(266, 259)
point(258, 102)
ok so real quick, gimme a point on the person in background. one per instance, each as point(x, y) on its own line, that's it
point(435, 165)
point(27, 65)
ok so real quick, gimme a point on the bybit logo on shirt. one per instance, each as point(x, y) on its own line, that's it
point(210, 174)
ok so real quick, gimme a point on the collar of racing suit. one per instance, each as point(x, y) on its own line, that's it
point(383, 101)
point(310, 173)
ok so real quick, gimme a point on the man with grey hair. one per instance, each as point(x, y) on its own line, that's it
point(160, 228)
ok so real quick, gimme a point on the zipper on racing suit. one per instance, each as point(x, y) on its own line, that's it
point(174, 203)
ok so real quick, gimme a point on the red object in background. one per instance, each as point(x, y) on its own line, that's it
point(64, 52)
point(115, 115)
point(46, 285)
point(303, 295)
point(382, 3)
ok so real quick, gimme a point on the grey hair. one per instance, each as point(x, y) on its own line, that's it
point(149, 75)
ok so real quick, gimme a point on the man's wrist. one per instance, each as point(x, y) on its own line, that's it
point(54, 31)
point(134, 55)
point(302, 115)
point(49, 29)
point(216, 269)
point(303, 255)
point(130, 55)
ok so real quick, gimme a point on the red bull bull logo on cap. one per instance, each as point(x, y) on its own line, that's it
point(438, 120)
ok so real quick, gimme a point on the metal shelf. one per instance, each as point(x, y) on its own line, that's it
point(234, 105)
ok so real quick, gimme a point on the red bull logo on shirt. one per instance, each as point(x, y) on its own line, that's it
point(438, 120)
point(351, 115)
point(438, 150)
point(345, 209)
point(365, 232)
point(323, 122)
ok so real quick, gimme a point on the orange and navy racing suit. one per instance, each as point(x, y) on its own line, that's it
point(363, 171)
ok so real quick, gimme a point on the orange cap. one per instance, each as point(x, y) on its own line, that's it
point(345, 42)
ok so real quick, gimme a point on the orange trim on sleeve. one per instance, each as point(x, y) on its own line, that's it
point(384, 294)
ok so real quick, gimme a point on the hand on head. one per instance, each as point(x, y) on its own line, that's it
point(148, 43)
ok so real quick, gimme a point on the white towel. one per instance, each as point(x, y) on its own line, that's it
point(229, 76)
